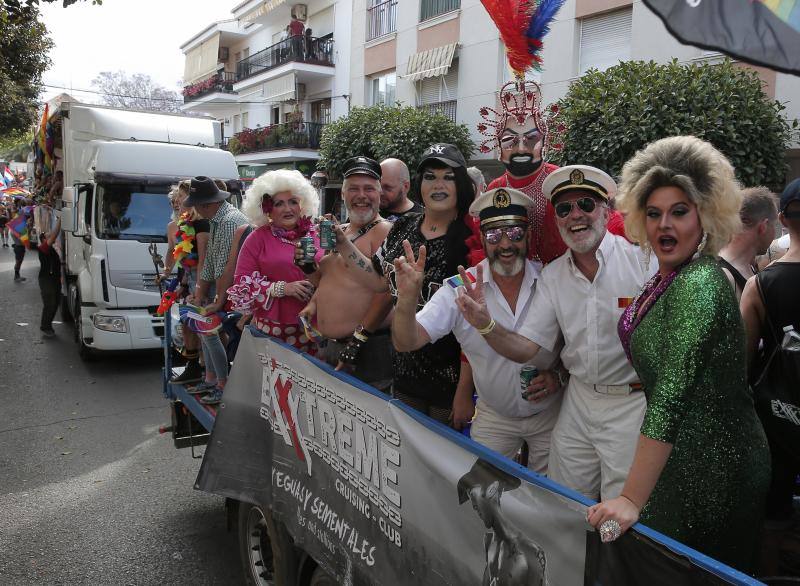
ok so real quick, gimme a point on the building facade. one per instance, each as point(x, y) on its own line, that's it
point(276, 93)
point(273, 86)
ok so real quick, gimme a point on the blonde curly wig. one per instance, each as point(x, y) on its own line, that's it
point(696, 167)
point(273, 182)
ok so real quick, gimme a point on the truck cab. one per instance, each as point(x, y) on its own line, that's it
point(119, 167)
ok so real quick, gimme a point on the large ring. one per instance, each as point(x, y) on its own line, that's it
point(610, 530)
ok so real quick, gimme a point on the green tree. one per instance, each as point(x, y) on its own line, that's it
point(611, 114)
point(15, 146)
point(24, 45)
point(383, 131)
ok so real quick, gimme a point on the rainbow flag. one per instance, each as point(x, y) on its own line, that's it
point(12, 191)
point(19, 228)
point(8, 176)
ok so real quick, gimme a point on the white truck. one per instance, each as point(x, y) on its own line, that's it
point(118, 166)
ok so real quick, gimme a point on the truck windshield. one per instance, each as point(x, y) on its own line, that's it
point(133, 212)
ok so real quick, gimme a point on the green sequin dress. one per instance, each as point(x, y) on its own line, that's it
point(689, 351)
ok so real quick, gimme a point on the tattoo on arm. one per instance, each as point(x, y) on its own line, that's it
point(364, 266)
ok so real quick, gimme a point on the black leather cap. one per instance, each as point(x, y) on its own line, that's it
point(790, 194)
point(361, 166)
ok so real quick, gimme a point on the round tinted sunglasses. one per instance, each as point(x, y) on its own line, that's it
point(513, 233)
point(585, 204)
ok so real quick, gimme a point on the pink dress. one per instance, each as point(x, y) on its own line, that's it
point(264, 259)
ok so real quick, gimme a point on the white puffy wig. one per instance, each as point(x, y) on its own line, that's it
point(273, 182)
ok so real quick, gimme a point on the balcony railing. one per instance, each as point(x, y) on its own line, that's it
point(431, 8)
point(444, 108)
point(289, 135)
point(381, 19)
point(220, 82)
point(317, 51)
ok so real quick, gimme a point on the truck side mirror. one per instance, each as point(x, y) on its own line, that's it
point(69, 219)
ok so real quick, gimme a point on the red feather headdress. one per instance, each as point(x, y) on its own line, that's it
point(522, 25)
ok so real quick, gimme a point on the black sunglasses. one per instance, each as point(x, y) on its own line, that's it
point(585, 204)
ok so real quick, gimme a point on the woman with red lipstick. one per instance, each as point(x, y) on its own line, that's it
point(701, 469)
point(267, 283)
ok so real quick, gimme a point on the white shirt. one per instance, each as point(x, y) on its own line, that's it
point(587, 313)
point(496, 378)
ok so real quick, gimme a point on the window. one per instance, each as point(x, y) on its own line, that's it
point(237, 123)
point(432, 8)
point(438, 94)
point(275, 115)
point(246, 120)
point(382, 90)
point(133, 212)
point(605, 40)
point(321, 111)
point(381, 18)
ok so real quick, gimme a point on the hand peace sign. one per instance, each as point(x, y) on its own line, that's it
point(471, 300)
point(410, 272)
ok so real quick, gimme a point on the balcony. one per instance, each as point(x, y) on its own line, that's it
point(289, 135)
point(447, 109)
point(433, 8)
point(381, 19)
point(218, 83)
point(299, 49)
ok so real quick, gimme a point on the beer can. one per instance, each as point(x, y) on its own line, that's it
point(526, 374)
point(309, 250)
point(327, 235)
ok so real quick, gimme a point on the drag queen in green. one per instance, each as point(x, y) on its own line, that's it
point(701, 469)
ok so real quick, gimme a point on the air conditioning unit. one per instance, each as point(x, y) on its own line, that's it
point(301, 92)
point(222, 54)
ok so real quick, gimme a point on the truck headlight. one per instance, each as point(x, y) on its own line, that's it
point(110, 323)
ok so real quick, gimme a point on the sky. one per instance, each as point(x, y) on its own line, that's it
point(135, 36)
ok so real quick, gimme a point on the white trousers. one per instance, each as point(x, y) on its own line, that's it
point(505, 435)
point(594, 440)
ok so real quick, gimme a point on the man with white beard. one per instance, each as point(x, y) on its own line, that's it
point(340, 303)
point(506, 414)
point(580, 298)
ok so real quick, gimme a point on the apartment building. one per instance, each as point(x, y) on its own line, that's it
point(446, 55)
point(273, 92)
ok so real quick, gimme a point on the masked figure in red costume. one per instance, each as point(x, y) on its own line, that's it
point(523, 135)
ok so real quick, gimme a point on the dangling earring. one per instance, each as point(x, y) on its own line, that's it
point(701, 246)
point(647, 251)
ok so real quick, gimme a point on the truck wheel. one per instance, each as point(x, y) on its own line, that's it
point(321, 578)
point(86, 353)
point(66, 314)
point(255, 546)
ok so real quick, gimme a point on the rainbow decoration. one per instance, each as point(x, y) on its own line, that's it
point(184, 251)
point(786, 10)
point(197, 320)
point(19, 228)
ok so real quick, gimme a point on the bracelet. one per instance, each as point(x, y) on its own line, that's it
point(278, 289)
point(488, 329)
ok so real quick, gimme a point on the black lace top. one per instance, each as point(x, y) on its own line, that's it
point(430, 373)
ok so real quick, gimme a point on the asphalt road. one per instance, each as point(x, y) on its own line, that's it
point(90, 493)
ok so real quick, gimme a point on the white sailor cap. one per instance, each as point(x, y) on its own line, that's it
point(501, 205)
point(579, 178)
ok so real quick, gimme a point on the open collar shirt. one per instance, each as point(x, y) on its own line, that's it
point(496, 378)
point(586, 313)
point(223, 226)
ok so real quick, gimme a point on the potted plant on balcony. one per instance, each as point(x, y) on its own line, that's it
point(234, 146)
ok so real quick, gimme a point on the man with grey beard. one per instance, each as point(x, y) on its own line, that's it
point(340, 305)
point(507, 414)
point(580, 299)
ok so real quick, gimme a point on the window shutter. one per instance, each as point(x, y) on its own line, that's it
point(605, 40)
point(442, 88)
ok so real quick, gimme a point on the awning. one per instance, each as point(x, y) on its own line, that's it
point(202, 60)
point(430, 63)
point(265, 7)
point(280, 89)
